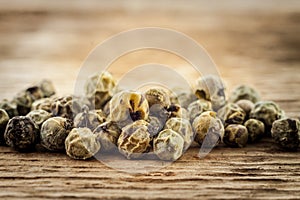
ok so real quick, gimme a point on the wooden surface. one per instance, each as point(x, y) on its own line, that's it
point(254, 43)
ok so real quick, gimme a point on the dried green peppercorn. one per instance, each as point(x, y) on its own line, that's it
point(42, 104)
point(231, 114)
point(35, 92)
point(82, 144)
point(128, 106)
point(244, 92)
point(209, 127)
point(10, 107)
point(157, 96)
point(256, 130)
point(134, 139)
point(175, 110)
point(236, 135)
point(267, 112)
point(23, 101)
point(211, 88)
point(39, 116)
point(286, 133)
point(168, 145)
point(47, 88)
point(198, 107)
point(100, 88)
point(67, 106)
point(54, 132)
point(108, 134)
point(4, 118)
point(184, 128)
point(21, 133)
point(89, 118)
point(246, 105)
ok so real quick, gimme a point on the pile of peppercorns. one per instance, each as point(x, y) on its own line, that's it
point(159, 121)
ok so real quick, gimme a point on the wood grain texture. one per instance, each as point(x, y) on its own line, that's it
point(255, 43)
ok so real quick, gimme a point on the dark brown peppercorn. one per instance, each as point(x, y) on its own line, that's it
point(286, 133)
point(4, 118)
point(21, 133)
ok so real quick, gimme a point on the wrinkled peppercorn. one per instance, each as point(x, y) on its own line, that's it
point(244, 92)
point(198, 107)
point(209, 127)
point(231, 114)
point(175, 110)
point(23, 101)
point(89, 118)
point(211, 88)
point(39, 116)
point(100, 88)
point(267, 112)
point(246, 105)
point(128, 106)
point(156, 96)
point(82, 144)
point(168, 145)
point(54, 132)
point(236, 135)
point(184, 128)
point(108, 134)
point(134, 139)
point(256, 130)
point(42, 104)
point(21, 133)
point(286, 133)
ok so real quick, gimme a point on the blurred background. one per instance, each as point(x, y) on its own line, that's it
point(252, 42)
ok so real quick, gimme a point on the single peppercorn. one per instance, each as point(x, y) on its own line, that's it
point(67, 106)
point(256, 130)
point(231, 114)
point(175, 110)
point(82, 144)
point(108, 134)
point(47, 88)
point(89, 118)
point(244, 92)
point(198, 107)
point(156, 96)
point(184, 128)
point(35, 92)
point(168, 145)
point(286, 133)
point(54, 132)
point(134, 139)
point(128, 106)
point(100, 88)
point(21, 133)
point(4, 118)
point(39, 116)
point(236, 135)
point(23, 101)
point(211, 88)
point(208, 127)
point(267, 112)
point(42, 104)
point(10, 107)
point(246, 105)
